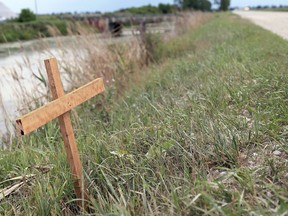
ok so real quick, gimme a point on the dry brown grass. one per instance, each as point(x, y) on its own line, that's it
point(83, 58)
point(188, 21)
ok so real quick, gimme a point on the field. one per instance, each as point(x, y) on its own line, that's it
point(200, 131)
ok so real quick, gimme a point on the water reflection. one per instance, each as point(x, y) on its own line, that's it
point(22, 73)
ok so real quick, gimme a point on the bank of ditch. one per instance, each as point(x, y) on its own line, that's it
point(202, 132)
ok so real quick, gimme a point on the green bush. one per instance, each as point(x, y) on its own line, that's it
point(166, 8)
point(61, 26)
point(203, 5)
point(224, 5)
point(149, 9)
point(26, 15)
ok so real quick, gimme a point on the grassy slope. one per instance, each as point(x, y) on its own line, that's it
point(196, 137)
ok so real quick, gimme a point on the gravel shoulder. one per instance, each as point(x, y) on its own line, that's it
point(276, 22)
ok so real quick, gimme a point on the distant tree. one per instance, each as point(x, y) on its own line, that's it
point(166, 8)
point(186, 4)
point(26, 15)
point(203, 5)
point(206, 5)
point(147, 9)
point(223, 4)
point(259, 7)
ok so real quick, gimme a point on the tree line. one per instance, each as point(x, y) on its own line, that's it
point(149, 9)
point(203, 5)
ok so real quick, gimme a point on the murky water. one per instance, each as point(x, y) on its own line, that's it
point(21, 66)
point(22, 69)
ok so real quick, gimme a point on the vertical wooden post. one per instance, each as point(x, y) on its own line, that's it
point(57, 90)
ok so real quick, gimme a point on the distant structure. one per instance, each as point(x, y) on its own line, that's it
point(115, 22)
point(6, 13)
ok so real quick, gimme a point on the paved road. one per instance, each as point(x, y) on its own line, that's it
point(277, 22)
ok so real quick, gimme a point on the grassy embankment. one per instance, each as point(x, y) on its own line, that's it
point(285, 9)
point(44, 26)
point(204, 133)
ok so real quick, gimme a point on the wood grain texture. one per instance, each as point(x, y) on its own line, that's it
point(60, 107)
point(63, 104)
point(67, 130)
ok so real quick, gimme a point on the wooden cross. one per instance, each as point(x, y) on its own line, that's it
point(60, 107)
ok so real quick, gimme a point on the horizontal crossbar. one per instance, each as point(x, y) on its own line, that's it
point(58, 107)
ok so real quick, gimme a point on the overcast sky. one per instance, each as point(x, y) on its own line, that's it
point(49, 6)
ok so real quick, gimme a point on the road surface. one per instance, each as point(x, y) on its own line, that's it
point(276, 22)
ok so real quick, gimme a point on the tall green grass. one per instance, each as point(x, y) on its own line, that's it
point(202, 133)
